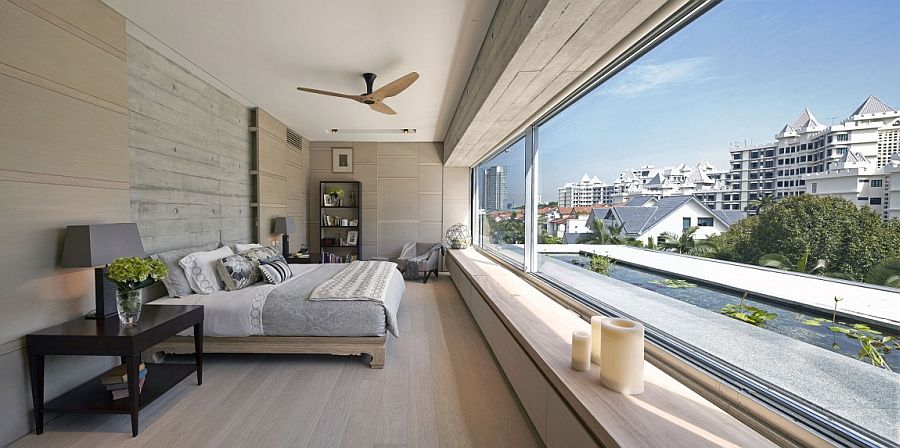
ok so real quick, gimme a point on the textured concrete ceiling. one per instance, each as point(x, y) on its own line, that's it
point(261, 51)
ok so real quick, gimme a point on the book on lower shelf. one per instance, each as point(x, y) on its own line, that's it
point(116, 380)
point(328, 257)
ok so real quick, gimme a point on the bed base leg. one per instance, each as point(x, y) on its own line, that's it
point(377, 361)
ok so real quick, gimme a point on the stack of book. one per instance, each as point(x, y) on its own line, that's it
point(116, 381)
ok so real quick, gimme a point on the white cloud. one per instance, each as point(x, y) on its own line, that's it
point(649, 77)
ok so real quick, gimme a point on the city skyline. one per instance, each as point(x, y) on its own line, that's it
point(718, 81)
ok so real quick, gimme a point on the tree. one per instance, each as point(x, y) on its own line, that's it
point(508, 231)
point(849, 239)
point(686, 243)
point(762, 203)
point(779, 261)
point(885, 274)
point(603, 234)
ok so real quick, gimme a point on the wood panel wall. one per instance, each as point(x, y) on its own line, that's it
point(63, 161)
point(279, 172)
point(404, 187)
point(190, 156)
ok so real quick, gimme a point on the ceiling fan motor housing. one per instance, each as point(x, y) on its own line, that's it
point(370, 81)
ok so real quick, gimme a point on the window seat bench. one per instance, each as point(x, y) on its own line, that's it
point(530, 336)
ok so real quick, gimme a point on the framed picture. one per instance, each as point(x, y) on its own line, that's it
point(352, 236)
point(328, 200)
point(342, 160)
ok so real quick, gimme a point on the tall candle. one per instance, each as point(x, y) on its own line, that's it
point(595, 339)
point(622, 359)
point(581, 350)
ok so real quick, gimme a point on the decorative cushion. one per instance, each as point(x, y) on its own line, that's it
point(176, 283)
point(200, 270)
point(237, 272)
point(241, 248)
point(261, 254)
point(275, 271)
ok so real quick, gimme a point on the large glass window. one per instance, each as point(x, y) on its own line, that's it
point(797, 290)
point(500, 183)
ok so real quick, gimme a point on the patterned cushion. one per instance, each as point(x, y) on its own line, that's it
point(275, 271)
point(237, 271)
point(261, 254)
point(200, 270)
point(240, 248)
point(176, 283)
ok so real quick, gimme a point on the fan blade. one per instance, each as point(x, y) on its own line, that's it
point(383, 108)
point(396, 86)
point(325, 92)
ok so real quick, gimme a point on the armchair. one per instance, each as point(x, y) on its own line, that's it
point(416, 258)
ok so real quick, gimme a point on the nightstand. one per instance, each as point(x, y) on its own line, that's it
point(105, 337)
point(295, 259)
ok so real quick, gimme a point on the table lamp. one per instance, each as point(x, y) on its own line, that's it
point(284, 226)
point(96, 246)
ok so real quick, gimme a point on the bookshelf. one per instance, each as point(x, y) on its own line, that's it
point(340, 217)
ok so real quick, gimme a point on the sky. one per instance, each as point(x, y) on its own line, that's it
point(738, 73)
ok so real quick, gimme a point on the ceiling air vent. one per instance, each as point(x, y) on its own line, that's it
point(294, 139)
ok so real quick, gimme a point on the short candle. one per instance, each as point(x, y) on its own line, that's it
point(581, 350)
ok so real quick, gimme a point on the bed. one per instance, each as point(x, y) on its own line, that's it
point(287, 318)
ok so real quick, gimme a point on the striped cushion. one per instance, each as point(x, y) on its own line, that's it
point(275, 271)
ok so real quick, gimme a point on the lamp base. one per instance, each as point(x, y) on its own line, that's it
point(285, 247)
point(104, 297)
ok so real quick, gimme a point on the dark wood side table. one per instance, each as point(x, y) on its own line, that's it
point(105, 337)
point(294, 259)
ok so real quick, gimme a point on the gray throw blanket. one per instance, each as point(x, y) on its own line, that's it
point(283, 309)
point(411, 267)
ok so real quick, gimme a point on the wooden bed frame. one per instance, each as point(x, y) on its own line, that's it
point(372, 346)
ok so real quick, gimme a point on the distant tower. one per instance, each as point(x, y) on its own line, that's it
point(495, 189)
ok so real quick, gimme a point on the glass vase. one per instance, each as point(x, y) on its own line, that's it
point(128, 304)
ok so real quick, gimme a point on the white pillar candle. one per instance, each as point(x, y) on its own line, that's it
point(595, 339)
point(622, 359)
point(581, 350)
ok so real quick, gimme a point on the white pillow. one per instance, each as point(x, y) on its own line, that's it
point(241, 248)
point(200, 270)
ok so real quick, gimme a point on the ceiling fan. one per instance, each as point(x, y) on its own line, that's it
point(375, 99)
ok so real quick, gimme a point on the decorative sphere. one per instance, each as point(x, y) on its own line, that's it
point(458, 236)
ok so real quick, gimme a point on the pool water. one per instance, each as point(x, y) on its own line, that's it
point(790, 320)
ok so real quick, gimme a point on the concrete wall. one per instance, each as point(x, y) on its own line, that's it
point(407, 195)
point(190, 152)
point(63, 161)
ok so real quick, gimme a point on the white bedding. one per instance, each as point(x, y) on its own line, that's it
point(230, 313)
point(239, 313)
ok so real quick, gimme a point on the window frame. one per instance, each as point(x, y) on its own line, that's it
point(788, 409)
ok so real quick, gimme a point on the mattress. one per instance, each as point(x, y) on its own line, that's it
point(241, 313)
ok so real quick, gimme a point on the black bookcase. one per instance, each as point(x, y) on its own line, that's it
point(339, 218)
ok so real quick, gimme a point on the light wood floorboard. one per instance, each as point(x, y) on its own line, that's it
point(440, 387)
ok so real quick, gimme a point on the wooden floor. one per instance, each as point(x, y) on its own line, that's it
point(440, 387)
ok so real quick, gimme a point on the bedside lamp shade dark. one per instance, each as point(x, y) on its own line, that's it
point(284, 226)
point(99, 244)
point(96, 246)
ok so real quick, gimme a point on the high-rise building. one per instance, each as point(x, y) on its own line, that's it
point(496, 195)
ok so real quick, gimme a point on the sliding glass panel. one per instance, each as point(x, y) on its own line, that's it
point(501, 202)
point(732, 188)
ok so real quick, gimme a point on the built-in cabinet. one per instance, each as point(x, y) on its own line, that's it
point(554, 421)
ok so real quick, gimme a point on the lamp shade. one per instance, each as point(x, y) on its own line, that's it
point(100, 244)
point(283, 225)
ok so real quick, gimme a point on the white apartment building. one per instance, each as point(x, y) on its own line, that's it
point(587, 191)
point(858, 180)
point(703, 181)
point(805, 146)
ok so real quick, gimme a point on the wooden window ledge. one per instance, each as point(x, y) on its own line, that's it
point(668, 413)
